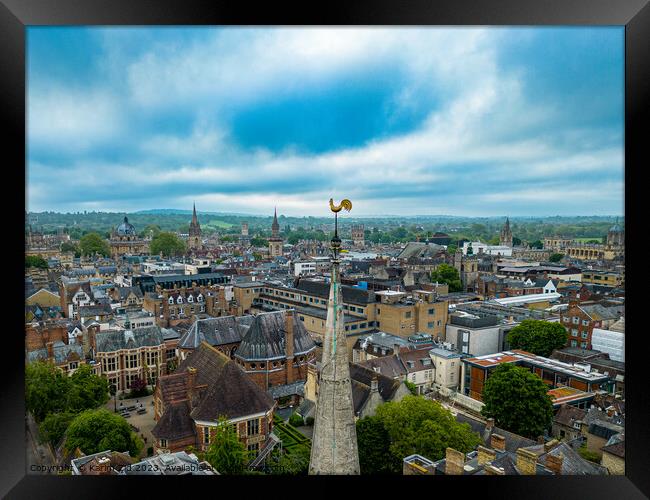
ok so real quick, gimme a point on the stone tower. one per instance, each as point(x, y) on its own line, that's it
point(275, 241)
point(616, 235)
point(194, 240)
point(506, 235)
point(334, 442)
point(244, 238)
point(358, 235)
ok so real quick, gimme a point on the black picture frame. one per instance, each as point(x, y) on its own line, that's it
point(15, 15)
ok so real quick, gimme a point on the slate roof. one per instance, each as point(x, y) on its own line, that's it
point(568, 414)
point(175, 423)
point(62, 353)
point(513, 441)
point(95, 310)
point(265, 338)
point(361, 385)
point(598, 311)
point(110, 341)
point(280, 391)
point(604, 429)
point(216, 331)
point(420, 249)
point(125, 291)
point(229, 392)
point(616, 446)
point(351, 295)
point(73, 288)
point(390, 366)
point(572, 463)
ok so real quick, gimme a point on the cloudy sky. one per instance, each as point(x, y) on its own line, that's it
point(475, 121)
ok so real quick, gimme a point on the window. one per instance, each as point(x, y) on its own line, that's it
point(378, 311)
point(585, 322)
point(73, 365)
point(565, 319)
point(254, 449)
point(354, 327)
point(583, 345)
point(132, 361)
point(163, 443)
point(253, 427)
point(152, 358)
point(171, 353)
point(199, 298)
point(171, 300)
point(109, 364)
point(432, 311)
point(574, 333)
point(574, 343)
point(576, 320)
point(584, 335)
point(190, 299)
point(430, 324)
point(408, 314)
point(206, 435)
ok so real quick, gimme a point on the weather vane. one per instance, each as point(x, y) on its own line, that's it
point(336, 241)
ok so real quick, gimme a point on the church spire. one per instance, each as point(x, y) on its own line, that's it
point(195, 220)
point(334, 442)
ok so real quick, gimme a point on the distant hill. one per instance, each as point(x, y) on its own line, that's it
point(176, 211)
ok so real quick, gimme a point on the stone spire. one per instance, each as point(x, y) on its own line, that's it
point(506, 235)
point(275, 227)
point(195, 220)
point(334, 442)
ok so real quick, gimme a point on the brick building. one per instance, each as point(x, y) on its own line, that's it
point(580, 319)
point(206, 386)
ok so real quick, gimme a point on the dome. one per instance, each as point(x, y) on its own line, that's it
point(616, 229)
point(125, 229)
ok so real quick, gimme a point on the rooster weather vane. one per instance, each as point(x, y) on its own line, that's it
point(336, 241)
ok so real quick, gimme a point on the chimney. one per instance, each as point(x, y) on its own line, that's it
point(288, 327)
point(50, 350)
point(554, 463)
point(191, 383)
point(526, 462)
point(491, 470)
point(610, 411)
point(455, 462)
point(540, 439)
point(485, 455)
point(489, 425)
point(498, 442)
point(374, 383)
point(550, 445)
point(396, 348)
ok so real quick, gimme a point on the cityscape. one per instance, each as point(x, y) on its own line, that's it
point(325, 252)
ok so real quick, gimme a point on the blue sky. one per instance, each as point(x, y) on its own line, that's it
point(458, 121)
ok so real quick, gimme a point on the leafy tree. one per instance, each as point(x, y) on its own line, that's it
point(556, 257)
point(411, 387)
point(538, 336)
point(167, 243)
point(67, 246)
point(294, 463)
point(518, 401)
point(373, 443)
point(49, 390)
point(151, 229)
point(35, 261)
point(46, 389)
point(227, 453)
point(93, 243)
point(516, 241)
point(537, 244)
point(449, 275)
point(416, 425)
point(259, 242)
point(93, 431)
point(451, 248)
point(87, 390)
point(54, 426)
point(296, 420)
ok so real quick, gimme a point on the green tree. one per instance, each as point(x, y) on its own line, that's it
point(294, 463)
point(92, 243)
point(68, 246)
point(259, 242)
point(151, 229)
point(296, 420)
point(167, 243)
point(556, 257)
point(420, 425)
point(93, 431)
point(411, 387)
point(449, 275)
point(451, 248)
point(87, 390)
point(538, 336)
point(46, 389)
point(537, 244)
point(518, 401)
point(35, 261)
point(227, 453)
point(516, 241)
point(54, 426)
point(373, 443)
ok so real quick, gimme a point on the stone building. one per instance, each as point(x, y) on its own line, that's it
point(358, 236)
point(275, 241)
point(505, 237)
point(194, 241)
point(171, 306)
point(125, 241)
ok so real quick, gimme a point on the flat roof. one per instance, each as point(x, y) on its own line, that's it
point(564, 394)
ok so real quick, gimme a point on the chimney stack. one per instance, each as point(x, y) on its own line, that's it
point(50, 350)
point(288, 328)
point(526, 462)
point(191, 384)
point(491, 470)
point(455, 462)
point(485, 455)
point(498, 442)
point(374, 383)
point(554, 463)
point(550, 445)
point(396, 348)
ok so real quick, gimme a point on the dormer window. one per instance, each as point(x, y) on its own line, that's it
point(199, 298)
point(171, 300)
point(190, 299)
point(179, 300)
